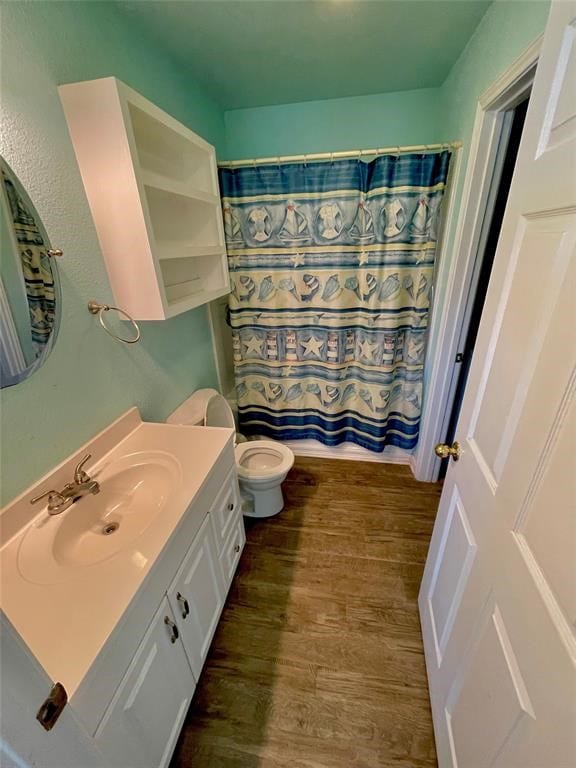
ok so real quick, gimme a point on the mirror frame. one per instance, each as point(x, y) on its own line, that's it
point(36, 364)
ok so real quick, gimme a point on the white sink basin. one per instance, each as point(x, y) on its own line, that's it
point(66, 584)
point(133, 491)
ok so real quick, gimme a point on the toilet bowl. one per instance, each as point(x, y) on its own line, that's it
point(262, 465)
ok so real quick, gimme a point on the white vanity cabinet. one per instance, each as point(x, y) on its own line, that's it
point(142, 723)
point(126, 636)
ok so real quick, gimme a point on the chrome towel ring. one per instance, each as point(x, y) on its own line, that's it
point(95, 308)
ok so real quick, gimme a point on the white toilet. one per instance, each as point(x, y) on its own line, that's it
point(262, 464)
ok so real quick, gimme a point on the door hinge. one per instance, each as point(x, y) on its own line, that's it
point(52, 707)
point(459, 357)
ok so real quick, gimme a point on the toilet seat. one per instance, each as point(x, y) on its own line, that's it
point(261, 459)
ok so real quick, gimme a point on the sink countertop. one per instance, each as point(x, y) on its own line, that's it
point(66, 624)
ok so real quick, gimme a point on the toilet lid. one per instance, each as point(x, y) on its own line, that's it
point(262, 458)
point(218, 412)
point(205, 407)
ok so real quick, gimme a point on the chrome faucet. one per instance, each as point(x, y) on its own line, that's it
point(82, 485)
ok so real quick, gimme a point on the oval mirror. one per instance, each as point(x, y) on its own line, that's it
point(29, 286)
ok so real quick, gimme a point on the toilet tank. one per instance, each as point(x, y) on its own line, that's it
point(205, 407)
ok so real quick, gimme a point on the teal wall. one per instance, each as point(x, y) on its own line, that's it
point(89, 379)
point(360, 122)
point(504, 32)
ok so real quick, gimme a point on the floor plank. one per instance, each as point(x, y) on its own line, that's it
point(318, 661)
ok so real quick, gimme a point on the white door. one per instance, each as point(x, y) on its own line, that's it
point(197, 596)
point(498, 597)
point(141, 726)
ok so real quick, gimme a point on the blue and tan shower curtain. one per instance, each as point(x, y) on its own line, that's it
point(331, 268)
point(36, 267)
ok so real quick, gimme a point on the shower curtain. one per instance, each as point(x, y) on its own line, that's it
point(36, 268)
point(331, 268)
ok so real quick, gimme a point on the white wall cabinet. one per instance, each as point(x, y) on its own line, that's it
point(152, 187)
point(141, 726)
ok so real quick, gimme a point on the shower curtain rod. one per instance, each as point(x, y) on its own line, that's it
point(359, 153)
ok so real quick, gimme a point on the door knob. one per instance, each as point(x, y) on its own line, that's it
point(444, 451)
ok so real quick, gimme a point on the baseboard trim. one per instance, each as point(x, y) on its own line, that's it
point(347, 452)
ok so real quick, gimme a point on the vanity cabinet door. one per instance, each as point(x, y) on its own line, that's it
point(197, 596)
point(225, 509)
point(142, 723)
point(231, 551)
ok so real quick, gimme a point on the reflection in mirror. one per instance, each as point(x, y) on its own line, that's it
point(29, 288)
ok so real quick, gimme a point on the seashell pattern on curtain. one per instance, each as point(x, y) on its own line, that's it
point(331, 268)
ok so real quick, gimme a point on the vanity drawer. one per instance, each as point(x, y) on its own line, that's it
point(225, 509)
point(232, 550)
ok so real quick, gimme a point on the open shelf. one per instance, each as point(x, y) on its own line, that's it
point(177, 217)
point(152, 187)
point(178, 249)
point(172, 154)
point(191, 302)
point(177, 187)
point(184, 278)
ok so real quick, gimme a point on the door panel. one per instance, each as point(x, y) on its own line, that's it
point(551, 547)
point(538, 269)
point(498, 597)
point(560, 123)
point(456, 557)
point(493, 674)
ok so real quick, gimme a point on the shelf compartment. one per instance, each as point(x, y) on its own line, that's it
point(184, 278)
point(177, 217)
point(176, 249)
point(176, 187)
point(164, 151)
point(183, 305)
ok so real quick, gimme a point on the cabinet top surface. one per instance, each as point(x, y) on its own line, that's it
point(67, 579)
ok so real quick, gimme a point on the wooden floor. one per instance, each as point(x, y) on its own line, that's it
point(318, 658)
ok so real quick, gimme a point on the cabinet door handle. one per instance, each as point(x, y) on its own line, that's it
point(230, 506)
point(237, 548)
point(174, 634)
point(183, 605)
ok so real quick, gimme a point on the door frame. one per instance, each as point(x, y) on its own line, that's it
point(451, 312)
